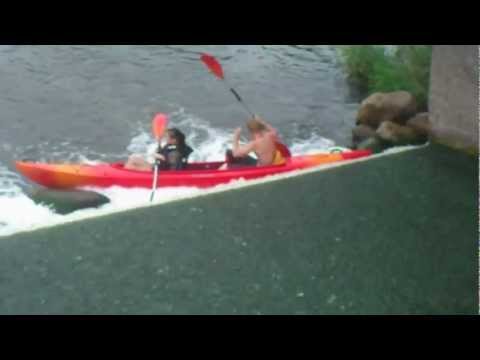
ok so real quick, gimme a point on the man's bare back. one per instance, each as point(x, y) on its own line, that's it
point(265, 148)
point(263, 143)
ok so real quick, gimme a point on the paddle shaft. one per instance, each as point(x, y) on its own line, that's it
point(159, 124)
point(240, 100)
point(217, 69)
point(155, 180)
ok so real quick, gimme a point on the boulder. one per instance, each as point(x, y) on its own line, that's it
point(400, 135)
point(65, 202)
point(361, 133)
point(375, 144)
point(396, 107)
point(420, 123)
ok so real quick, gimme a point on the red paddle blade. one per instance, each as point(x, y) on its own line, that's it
point(283, 150)
point(159, 125)
point(213, 65)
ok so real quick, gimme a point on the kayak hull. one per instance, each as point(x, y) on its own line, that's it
point(201, 175)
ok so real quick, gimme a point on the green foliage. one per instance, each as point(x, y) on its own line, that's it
point(375, 69)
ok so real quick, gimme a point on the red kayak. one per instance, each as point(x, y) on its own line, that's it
point(201, 175)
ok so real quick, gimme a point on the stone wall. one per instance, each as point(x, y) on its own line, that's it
point(454, 96)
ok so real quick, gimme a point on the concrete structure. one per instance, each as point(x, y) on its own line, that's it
point(454, 96)
point(394, 235)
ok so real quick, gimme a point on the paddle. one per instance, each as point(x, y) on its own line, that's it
point(216, 68)
point(159, 124)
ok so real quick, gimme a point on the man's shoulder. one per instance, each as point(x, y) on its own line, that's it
point(256, 142)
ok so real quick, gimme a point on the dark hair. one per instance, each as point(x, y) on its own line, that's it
point(179, 136)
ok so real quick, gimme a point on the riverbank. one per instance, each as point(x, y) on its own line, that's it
point(395, 235)
point(383, 68)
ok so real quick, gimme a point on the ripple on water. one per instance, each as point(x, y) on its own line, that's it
point(100, 99)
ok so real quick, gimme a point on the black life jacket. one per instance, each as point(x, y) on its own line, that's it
point(176, 158)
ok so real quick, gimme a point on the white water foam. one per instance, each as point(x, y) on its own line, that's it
point(18, 213)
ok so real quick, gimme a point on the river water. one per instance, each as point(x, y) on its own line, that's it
point(95, 103)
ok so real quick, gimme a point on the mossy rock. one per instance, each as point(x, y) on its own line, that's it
point(65, 202)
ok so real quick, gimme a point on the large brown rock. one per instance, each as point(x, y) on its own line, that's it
point(66, 202)
point(421, 123)
point(400, 135)
point(396, 107)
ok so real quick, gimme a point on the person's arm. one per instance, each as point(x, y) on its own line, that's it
point(159, 157)
point(241, 150)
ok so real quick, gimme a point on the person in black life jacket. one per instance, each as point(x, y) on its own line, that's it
point(173, 156)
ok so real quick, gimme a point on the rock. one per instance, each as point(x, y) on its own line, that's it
point(400, 135)
point(65, 202)
point(396, 107)
point(420, 123)
point(375, 144)
point(361, 133)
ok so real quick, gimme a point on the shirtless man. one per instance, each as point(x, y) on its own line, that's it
point(263, 144)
